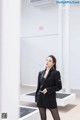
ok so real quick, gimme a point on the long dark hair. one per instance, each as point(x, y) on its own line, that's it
point(54, 61)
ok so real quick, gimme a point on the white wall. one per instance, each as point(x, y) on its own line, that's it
point(33, 37)
point(33, 55)
point(39, 39)
point(33, 18)
point(75, 47)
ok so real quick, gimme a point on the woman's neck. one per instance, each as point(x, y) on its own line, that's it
point(47, 69)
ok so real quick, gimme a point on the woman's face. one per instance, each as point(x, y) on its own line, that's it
point(49, 62)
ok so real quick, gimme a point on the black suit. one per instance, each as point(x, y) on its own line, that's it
point(52, 83)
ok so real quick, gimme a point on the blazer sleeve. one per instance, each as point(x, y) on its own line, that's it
point(57, 82)
point(38, 86)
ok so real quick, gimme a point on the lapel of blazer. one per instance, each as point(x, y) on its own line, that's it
point(43, 81)
point(48, 74)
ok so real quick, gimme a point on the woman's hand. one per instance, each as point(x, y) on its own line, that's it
point(44, 91)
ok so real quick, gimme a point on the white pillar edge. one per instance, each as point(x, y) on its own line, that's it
point(10, 58)
point(60, 15)
point(0, 58)
point(66, 57)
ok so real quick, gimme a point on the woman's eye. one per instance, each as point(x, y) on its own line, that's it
point(50, 61)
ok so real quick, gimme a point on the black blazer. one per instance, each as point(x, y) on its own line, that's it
point(52, 83)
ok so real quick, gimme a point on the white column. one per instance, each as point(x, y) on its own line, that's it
point(0, 55)
point(60, 15)
point(10, 58)
point(66, 65)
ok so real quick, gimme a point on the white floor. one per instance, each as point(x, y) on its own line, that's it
point(69, 112)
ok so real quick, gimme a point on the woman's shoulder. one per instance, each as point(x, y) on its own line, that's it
point(56, 74)
point(56, 71)
point(40, 72)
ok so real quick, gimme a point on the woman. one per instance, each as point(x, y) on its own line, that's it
point(48, 83)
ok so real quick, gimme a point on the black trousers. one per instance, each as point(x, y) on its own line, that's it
point(54, 113)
